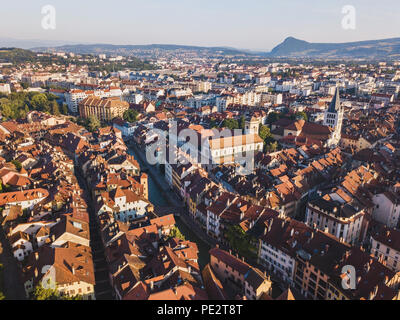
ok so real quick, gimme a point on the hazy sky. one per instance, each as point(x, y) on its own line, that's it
point(251, 24)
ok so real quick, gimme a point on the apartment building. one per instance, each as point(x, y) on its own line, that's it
point(238, 275)
point(232, 149)
point(344, 221)
point(75, 96)
point(69, 270)
point(386, 209)
point(26, 199)
point(278, 245)
point(385, 246)
point(104, 109)
point(125, 204)
point(322, 272)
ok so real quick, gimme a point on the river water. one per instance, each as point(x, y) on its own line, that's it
point(158, 200)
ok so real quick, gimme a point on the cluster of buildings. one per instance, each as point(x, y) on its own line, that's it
point(310, 185)
point(331, 202)
point(43, 211)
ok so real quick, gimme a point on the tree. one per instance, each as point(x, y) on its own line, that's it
point(264, 132)
point(64, 109)
point(301, 115)
point(241, 241)
point(54, 108)
point(41, 293)
point(93, 123)
point(130, 115)
point(213, 123)
point(17, 164)
point(272, 147)
point(26, 109)
point(176, 233)
point(39, 102)
point(266, 135)
point(18, 104)
point(6, 110)
point(242, 122)
point(230, 124)
point(273, 117)
point(25, 85)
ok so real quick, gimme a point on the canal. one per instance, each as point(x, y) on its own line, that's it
point(157, 198)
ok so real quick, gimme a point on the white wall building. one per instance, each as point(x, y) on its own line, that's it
point(386, 209)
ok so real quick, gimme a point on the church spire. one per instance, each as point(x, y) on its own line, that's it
point(334, 107)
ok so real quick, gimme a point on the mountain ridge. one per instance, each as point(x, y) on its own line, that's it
point(291, 47)
point(128, 49)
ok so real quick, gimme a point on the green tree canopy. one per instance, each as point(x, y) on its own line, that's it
point(6, 110)
point(242, 123)
point(213, 123)
point(231, 124)
point(301, 115)
point(25, 85)
point(17, 164)
point(266, 135)
point(176, 233)
point(64, 109)
point(130, 115)
point(273, 117)
point(54, 108)
point(40, 102)
point(41, 293)
point(264, 132)
point(93, 123)
point(241, 241)
point(17, 104)
point(272, 147)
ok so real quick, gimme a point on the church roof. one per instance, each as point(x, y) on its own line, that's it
point(334, 106)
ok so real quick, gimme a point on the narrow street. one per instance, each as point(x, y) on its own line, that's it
point(103, 289)
point(12, 281)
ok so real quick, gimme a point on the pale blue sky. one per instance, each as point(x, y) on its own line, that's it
point(250, 24)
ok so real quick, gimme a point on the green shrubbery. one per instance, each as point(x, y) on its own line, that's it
point(41, 293)
point(176, 233)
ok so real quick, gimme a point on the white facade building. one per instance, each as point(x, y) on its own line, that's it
point(386, 209)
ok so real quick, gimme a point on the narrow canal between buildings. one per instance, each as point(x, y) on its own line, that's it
point(157, 198)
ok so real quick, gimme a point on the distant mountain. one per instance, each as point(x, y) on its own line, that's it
point(27, 44)
point(126, 50)
point(289, 48)
point(292, 47)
